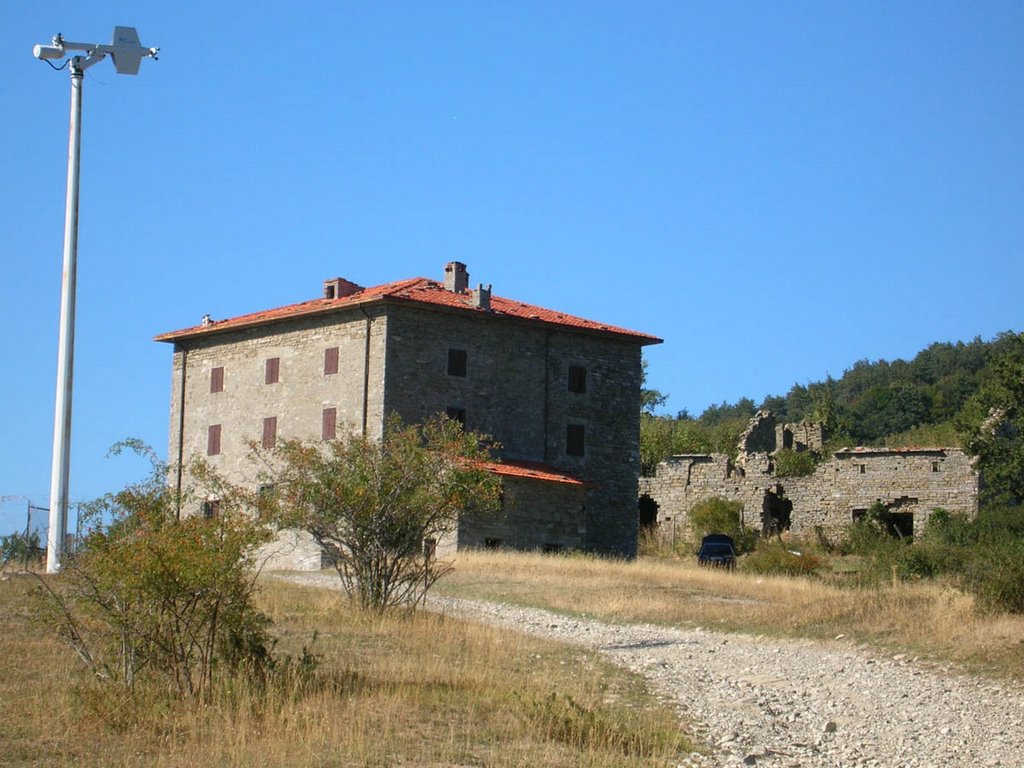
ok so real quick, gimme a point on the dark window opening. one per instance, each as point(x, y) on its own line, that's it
point(577, 379)
point(211, 509)
point(553, 549)
point(863, 468)
point(648, 514)
point(329, 424)
point(490, 543)
point(269, 431)
point(776, 512)
point(935, 466)
point(330, 361)
point(456, 414)
point(456, 362)
point(575, 444)
point(213, 440)
point(217, 379)
point(272, 372)
point(787, 439)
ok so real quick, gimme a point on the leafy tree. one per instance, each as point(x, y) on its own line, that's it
point(992, 423)
point(153, 597)
point(376, 506)
point(718, 515)
point(650, 399)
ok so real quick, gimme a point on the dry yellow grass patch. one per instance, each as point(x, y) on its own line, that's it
point(924, 618)
point(417, 690)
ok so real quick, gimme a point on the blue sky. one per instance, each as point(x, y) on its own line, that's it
point(778, 189)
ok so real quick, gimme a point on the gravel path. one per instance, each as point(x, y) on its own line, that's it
point(768, 702)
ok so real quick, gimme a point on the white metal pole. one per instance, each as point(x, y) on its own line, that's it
point(66, 343)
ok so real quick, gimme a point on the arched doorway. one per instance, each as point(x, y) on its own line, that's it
point(776, 511)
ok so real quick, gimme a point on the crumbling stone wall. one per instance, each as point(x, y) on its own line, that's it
point(913, 480)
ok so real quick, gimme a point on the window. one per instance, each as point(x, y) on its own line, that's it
point(217, 379)
point(211, 509)
point(330, 361)
point(270, 432)
point(329, 424)
point(577, 379)
point(273, 370)
point(456, 362)
point(574, 440)
point(863, 468)
point(213, 440)
point(456, 414)
point(935, 466)
point(492, 543)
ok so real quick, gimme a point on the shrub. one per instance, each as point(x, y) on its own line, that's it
point(150, 596)
point(790, 463)
point(718, 515)
point(773, 558)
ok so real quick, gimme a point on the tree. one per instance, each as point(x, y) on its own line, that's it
point(992, 422)
point(379, 506)
point(150, 596)
point(650, 399)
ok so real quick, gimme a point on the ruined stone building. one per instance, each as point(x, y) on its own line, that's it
point(909, 482)
point(559, 393)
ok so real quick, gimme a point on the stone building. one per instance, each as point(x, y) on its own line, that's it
point(560, 394)
point(909, 482)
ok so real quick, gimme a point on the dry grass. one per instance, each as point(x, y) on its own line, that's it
point(926, 619)
point(396, 690)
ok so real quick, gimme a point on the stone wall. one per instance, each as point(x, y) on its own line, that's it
point(913, 481)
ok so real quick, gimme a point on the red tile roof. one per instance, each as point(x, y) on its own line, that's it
point(417, 290)
point(532, 470)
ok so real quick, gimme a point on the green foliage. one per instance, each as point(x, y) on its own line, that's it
point(148, 596)
point(374, 505)
point(19, 548)
point(718, 515)
point(650, 399)
point(790, 463)
point(992, 422)
point(774, 558)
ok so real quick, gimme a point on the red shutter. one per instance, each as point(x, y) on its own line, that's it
point(330, 361)
point(213, 440)
point(273, 370)
point(330, 423)
point(217, 379)
point(270, 432)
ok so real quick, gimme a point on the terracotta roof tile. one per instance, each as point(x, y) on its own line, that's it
point(532, 470)
point(417, 290)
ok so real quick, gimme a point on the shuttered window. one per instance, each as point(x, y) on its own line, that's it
point(213, 440)
point(457, 362)
point(273, 370)
point(330, 361)
point(270, 432)
point(217, 379)
point(329, 429)
point(574, 440)
point(577, 379)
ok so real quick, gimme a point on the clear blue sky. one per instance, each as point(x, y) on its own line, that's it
point(777, 189)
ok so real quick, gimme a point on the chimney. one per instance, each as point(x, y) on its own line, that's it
point(482, 297)
point(339, 287)
point(207, 320)
point(456, 278)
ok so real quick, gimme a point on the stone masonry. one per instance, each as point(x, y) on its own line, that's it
point(910, 482)
point(559, 393)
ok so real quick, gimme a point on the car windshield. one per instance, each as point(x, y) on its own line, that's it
point(716, 550)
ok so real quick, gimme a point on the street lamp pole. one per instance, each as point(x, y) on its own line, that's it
point(127, 53)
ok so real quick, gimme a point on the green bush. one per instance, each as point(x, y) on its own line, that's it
point(149, 597)
point(790, 463)
point(996, 576)
point(718, 515)
point(773, 558)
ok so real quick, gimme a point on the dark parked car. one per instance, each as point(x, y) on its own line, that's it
point(717, 550)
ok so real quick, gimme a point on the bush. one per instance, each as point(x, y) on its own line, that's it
point(996, 576)
point(148, 596)
point(773, 558)
point(790, 463)
point(718, 515)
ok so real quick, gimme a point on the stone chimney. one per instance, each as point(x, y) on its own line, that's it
point(482, 297)
point(456, 278)
point(339, 287)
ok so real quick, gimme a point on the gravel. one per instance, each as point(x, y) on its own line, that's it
point(786, 703)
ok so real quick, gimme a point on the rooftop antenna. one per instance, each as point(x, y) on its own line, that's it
point(127, 53)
